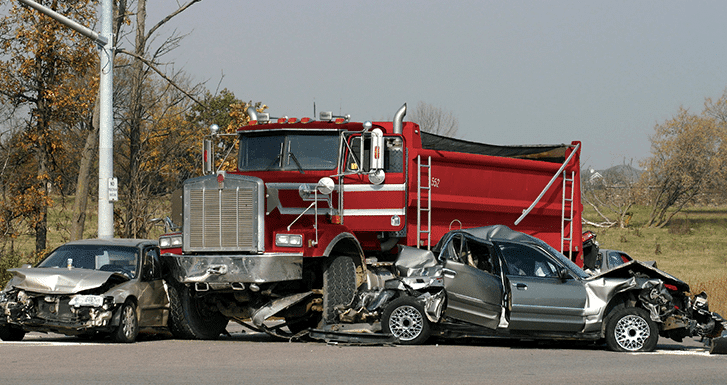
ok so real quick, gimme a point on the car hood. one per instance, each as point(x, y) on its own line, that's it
point(61, 281)
point(640, 269)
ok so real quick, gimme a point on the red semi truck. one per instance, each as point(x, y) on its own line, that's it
point(291, 231)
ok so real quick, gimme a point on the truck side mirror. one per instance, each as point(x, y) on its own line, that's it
point(377, 149)
point(376, 169)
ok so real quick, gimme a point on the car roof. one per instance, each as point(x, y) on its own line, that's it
point(128, 242)
point(501, 233)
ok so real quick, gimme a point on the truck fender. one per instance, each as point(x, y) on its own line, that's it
point(346, 243)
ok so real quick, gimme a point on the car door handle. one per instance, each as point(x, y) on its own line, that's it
point(449, 273)
point(521, 286)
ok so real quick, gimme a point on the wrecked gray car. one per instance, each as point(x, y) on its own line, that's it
point(496, 282)
point(88, 288)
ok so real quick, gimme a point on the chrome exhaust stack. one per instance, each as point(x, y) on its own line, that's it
point(399, 120)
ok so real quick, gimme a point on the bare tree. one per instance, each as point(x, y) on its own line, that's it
point(611, 193)
point(435, 120)
point(686, 151)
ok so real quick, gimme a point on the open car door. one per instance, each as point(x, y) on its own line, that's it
point(473, 281)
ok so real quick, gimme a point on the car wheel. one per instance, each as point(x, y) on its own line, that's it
point(190, 319)
point(404, 318)
point(631, 330)
point(128, 324)
point(339, 286)
point(11, 333)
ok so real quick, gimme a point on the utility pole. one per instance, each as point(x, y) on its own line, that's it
point(107, 185)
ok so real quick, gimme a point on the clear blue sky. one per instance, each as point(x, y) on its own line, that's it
point(514, 72)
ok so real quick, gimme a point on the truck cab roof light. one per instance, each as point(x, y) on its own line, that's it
point(340, 120)
point(292, 120)
point(326, 116)
point(305, 120)
point(252, 123)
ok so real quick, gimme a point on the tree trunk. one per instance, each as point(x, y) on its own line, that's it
point(133, 212)
point(78, 215)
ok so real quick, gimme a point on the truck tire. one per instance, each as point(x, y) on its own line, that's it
point(631, 329)
point(339, 286)
point(404, 318)
point(189, 319)
point(11, 333)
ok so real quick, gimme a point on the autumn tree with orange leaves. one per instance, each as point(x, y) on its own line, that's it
point(39, 71)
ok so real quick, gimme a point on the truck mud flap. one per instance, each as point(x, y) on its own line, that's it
point(718, 345)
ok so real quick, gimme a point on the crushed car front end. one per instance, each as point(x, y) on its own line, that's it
point(70, 302)
point(65, 314)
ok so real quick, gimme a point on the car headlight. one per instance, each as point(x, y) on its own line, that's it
point(170, 241)
point(289, 240)
point(86, 300)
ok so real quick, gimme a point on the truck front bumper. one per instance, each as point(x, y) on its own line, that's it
point(225, 269)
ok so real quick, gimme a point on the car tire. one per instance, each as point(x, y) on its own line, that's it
point(128, 324)
point(631, 329)
point(404, 318)
point(11, 333)
point(339, 286)
point(189, 319)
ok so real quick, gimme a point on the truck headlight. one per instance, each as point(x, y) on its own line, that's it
point(170, 241)
point(289, 240)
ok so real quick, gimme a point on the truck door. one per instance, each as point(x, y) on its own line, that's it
point(368, 203)
point(473, 282)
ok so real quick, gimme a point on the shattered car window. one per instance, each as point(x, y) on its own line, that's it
point(470, 252)
point(480, 257)
point(94, 257)
point(615, 259)
point(527, 261)
point(454, 250)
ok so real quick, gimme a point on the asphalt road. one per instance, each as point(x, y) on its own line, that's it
point(255, 358)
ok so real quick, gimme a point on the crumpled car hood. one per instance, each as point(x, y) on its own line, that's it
point(640, 269)
point(60, 281)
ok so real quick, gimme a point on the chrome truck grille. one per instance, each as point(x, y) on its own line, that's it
point(223, 216)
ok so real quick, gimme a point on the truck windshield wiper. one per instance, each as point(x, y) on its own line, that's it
point(291, 155)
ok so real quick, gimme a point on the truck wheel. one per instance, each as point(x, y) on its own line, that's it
point(404, 318)
point(339, 286)
point(631, 330)
point(190, 319)
point(128, 324)
point(11, 333)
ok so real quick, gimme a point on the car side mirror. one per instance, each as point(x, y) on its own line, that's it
point(563, 274)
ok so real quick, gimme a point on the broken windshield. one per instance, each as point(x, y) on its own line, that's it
point(95, 257)
point(288, 151)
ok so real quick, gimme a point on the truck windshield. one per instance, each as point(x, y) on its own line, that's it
point(288, 151)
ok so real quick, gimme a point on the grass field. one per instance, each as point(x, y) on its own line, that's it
point(692, 247)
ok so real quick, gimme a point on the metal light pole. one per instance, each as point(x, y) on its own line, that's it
point(107, 186)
